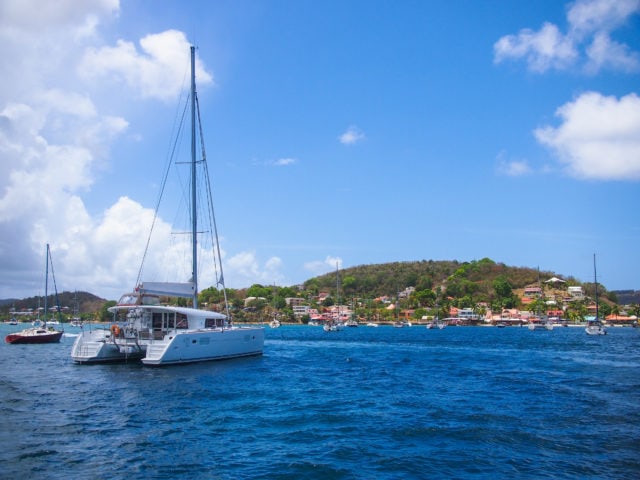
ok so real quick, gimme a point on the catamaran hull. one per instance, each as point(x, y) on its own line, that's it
point(96, 347)
point(183, 347)
point(205, 345)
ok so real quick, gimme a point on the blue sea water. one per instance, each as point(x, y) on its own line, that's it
point(362, 403)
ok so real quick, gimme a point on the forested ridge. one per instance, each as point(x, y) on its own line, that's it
point(433, 282)
point(453, 278)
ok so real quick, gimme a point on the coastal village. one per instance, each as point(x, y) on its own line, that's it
point(552, 302)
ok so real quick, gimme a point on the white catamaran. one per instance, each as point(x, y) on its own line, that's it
point(156, 334)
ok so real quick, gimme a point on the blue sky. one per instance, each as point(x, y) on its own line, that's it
point(351, 132)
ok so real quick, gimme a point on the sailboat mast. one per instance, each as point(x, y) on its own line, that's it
point(595, 280)
point(46, 285)
point(194, 216)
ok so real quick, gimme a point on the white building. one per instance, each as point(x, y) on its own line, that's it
point(300, 310)
point(576, 293)
point(467, 314)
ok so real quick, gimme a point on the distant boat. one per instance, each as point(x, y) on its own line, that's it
point(351, 323)
point(595, 326)
point(76, 321)
point(332, 327)
point(400, 324)
point(275, 323)
point(541, 322)
point(40, 334)
point(159, 334)
point(335, 323)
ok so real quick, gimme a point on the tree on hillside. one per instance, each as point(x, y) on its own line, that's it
point(424, 298)
point(103, 315)
point(349, 285)
point(504, 293)
point(257, 290)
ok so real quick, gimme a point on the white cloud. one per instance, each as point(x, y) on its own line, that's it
point(544, 49)
point(352, 136)
point(589, 16)
point(283, 162)
point(246, 269)
point(53, 136)
point(322, 266)
point(590, 24)
point(160, 71)
point(35, 16)
point(513, 168)
point(598, 138)
point(605, 53)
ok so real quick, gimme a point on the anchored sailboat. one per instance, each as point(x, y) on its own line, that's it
point(41, 333)
point(161, 334)
point(595, 325)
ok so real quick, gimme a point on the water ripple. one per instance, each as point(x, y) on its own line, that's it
point(358, 404)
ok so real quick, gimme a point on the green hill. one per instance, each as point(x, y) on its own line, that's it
point(455, 279)
point(87, 302)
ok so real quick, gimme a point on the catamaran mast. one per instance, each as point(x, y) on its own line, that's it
point(194, 216)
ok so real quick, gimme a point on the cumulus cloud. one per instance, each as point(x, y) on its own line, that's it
point(352, 136)
point(606, 53)
point(159, 71)
point(590, 24)
point(544, 49)
point(246, 269)
point(55, 137)
point(598, 137)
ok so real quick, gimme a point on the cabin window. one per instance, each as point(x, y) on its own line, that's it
point(181, 321)
point(213, 322)
point(156, 321)
point(129, 299)
point(150, 300)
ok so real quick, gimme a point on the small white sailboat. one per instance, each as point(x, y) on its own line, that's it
point(275, 323)
point(335, 324)
point(332, 327)
point(540, 322)
point(159, 334)
point(76, 321)
point(595, 325)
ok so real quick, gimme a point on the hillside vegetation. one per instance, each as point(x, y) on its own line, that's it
point(455, 279)
point(83, 302)
point(435, 284)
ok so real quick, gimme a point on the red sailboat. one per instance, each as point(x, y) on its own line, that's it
point(45, 334)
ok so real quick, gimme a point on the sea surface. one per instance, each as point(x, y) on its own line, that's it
point(362, 403)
